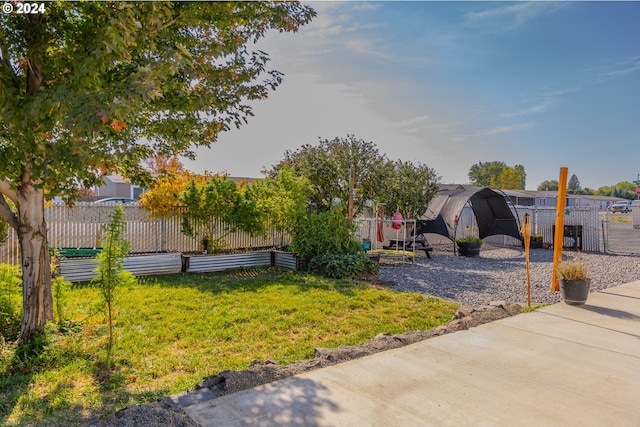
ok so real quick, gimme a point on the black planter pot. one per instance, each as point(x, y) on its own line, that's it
point(535, 244)
point(575, 292)
point(303, 264)
point(469, 248)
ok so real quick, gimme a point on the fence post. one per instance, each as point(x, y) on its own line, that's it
point(163, 234)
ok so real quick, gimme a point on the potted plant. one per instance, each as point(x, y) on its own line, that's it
point(535, 241)
point(469, 246)
point(574, 282)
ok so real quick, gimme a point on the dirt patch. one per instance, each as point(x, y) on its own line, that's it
point(266, 371)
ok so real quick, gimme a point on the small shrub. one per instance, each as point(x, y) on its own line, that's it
point(572, 270)
point(536, 238)
point(60, 291)
point(10, 292)
point(340, 266)
point(325, 233)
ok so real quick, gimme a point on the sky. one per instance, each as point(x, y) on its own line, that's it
point(450, 84)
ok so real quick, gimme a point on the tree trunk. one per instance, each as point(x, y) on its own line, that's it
point(37, 299)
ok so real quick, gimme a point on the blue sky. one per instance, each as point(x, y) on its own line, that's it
point(449, 84)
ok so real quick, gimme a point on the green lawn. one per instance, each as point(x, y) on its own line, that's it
point(172, 331)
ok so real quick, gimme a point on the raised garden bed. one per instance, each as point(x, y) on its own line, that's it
point(83, 269)
point(78, 252)
point(219, 262)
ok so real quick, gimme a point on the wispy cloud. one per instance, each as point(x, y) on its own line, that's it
point(414, 120)
point(541, 101)
point(510, 16)
point(539, 108)
point(618, 69)
point(365, 6)
point(499, 130)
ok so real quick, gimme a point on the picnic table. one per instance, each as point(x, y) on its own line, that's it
point(421, 244)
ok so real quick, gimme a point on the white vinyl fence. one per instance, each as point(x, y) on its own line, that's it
point(81, 227)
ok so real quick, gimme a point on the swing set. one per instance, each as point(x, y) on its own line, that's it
point(400, 248)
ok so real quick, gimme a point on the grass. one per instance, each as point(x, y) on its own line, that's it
point(619, 218)
point(172, 331)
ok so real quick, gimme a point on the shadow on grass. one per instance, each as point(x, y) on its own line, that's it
point(31, 366)
point(252, 280)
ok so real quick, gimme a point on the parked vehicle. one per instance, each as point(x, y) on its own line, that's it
point(623, 206)
point(115, 200)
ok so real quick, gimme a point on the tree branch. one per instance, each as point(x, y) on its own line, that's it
point(10, 193)
point(5, 210)
point(4, 51)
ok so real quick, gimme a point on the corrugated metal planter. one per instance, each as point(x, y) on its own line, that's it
point(82, 269)
point(207, 263)
point(284, 260)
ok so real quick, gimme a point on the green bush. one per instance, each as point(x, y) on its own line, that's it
point(10, 294)
point(340, 266)
point(325, 233)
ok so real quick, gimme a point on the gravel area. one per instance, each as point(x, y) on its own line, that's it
point(499, 274)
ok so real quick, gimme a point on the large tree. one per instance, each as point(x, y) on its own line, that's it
point(327, 167)
point(411, 188)
point(399, 185)
point(91, 87)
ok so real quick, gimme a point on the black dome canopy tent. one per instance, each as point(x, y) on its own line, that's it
point(489, 206)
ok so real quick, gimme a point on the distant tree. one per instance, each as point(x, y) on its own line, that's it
point(573, 186)
point(498, 175)
point(484, 174)
point(622, 190)
point(551, 185)
point(163, 196)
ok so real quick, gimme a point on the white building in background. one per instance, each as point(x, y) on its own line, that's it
point(549, 199)
point(117, 186)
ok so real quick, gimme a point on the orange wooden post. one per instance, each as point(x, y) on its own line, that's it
point(526, 235)
point(559, 236)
